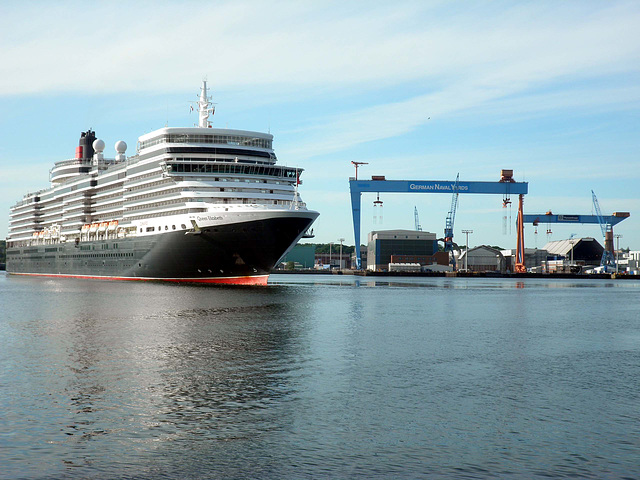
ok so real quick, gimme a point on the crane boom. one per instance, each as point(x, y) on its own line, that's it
point(601, 221)
point(417, 219)
point(451, 218)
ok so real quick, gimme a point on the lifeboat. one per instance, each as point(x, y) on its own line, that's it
point(103, 226)
point(93, 228)
point(41, 234)
point(112, 225)
point(47, 233)
point(35, 235)
point(85, 228)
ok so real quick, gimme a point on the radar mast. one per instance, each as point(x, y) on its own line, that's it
point(205, 107)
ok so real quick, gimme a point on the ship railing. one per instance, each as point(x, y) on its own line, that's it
point(74, 161)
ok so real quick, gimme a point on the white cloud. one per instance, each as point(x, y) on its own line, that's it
point(131, 46)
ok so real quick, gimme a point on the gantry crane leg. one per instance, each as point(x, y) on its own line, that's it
point(520, 266)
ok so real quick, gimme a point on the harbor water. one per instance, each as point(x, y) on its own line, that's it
point(320, 377)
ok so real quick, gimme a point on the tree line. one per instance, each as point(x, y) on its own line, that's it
point(335, 248)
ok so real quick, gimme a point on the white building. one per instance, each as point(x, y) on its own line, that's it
point(482, 259)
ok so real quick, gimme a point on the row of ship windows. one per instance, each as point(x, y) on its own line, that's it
point(107, 188)
point(81, 255)
point(270, 171)
point(147, 206)
point(166, 227)
point(156, 204)
point(94, 182)
point(58, 196)
point(22, 223)
point(164, 214)
point(217, 158)
point(154, 194)
point(145, 175)
point(27, 216)
point(150, 184)
point(219, 139)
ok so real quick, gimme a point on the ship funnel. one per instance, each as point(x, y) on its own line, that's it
point(85, 146)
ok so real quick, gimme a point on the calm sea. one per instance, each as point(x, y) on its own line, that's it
point(320, 377)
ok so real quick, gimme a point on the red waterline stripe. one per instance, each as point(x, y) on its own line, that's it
point(257, 280)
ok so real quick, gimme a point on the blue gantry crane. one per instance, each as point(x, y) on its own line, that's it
point(606, 223)
point(379, 183)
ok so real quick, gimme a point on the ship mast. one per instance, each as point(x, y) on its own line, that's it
point(205, 107)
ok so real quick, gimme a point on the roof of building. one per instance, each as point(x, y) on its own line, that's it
point(563, 247)
point(527, 251)
point(482, 250)
point(401, 234)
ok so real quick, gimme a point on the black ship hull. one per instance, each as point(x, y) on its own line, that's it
point(239, 253)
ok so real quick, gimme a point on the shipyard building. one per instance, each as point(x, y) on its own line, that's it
point(394, 247)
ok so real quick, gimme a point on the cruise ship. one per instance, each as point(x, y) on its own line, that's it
point(198, 204)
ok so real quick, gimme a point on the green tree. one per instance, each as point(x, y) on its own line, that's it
point(335, 248)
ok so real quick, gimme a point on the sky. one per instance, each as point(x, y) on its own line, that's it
point(421, 90)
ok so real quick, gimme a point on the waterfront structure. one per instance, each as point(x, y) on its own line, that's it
point(573, 254)
point(333, 260)
point(482, 258)
point(385, 243)
point(197, 204)
point(633, 262)
point(363, 257)
point(534, 258)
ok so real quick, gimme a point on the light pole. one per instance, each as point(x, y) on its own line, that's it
point(330, 243)
point(466, 254)
point(617, 235)
point(571, 240)
point(340, 261)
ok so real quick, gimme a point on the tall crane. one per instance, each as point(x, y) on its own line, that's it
point(608, 261)
point(451, 217)
point(417, 219)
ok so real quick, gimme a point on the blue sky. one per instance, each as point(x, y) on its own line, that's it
point(419, 90)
